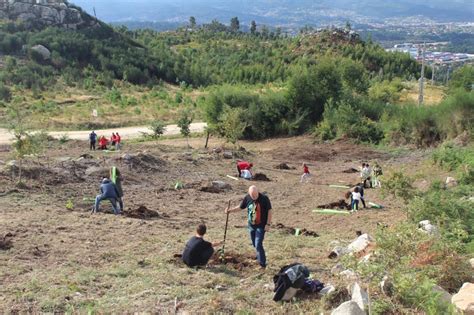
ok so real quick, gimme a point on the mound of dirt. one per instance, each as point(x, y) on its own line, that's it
point(232, 259)
point(284, 166)
point(292, 231)
point(5, 242)
point(215, 187)
point(351, 170)
point(144, 162)
point(341, 204)
point(141, 212)
point(261, 177)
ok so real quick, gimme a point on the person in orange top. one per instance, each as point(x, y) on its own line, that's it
point(117, 141)
point(103, 143)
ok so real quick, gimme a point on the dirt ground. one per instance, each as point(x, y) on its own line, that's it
point(59, 257)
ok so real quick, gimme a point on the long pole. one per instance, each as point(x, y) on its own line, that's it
point(420, 96)
point(225, 230)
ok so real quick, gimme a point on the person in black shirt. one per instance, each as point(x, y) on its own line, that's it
point(198, 251)
point(259, 216)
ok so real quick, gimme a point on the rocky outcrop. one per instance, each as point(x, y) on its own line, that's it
point(45, 13)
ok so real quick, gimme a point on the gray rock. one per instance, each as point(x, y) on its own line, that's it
point(359, 296)
point(348, 308)
point(228, 155)
point(360, 243)
point(329, 288)
point(386, 286)
point(337, 269)
point(445, 296)
point(349, 274)
point(43, 51)
point(471, 261)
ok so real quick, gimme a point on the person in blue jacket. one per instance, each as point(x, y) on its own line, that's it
point(108, 191)
point(92, 140)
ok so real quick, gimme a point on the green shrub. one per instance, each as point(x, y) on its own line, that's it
point(5, 94)
point(158, 128)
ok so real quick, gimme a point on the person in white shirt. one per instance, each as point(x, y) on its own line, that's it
point(365, 174)
point(356, 197)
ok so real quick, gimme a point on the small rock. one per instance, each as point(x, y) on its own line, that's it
point(327, 290)
point(337, 269)
point(464, 299)
point(220, 288)
point(471, 261)
point(360, 243)
point(217, 150)
point(386, 286)
point(228, 155)
point(451, 182)
point(221, 185)
point(12, 163)
point(349, 274)
point(359, 295)
point(348, 308)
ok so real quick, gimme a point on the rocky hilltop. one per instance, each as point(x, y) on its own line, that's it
point(45, 13)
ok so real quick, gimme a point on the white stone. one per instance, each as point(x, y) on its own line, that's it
point(348, 308)
point(349, 274)
point(471, 261)
point(327, 289)
point(359, 295)
point(451, 182)
point(427, 227)
point(464, 299)
point(359, 244)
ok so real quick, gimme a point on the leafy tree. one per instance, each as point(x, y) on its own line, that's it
point(192, 22)
point(234, 24)
point(232, 124)
point(253, 28)
point(463, 78)
point(158, 128)
point(184, 123)
point(5, 93)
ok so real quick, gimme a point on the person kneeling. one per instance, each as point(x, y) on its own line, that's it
point(198, 251)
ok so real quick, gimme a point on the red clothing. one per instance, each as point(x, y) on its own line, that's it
point(306, 169)
point(103, 141)
point(243, 165)
point(118, 138)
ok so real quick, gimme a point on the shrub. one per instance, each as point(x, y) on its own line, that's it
point(158, 128)
point(5, 94)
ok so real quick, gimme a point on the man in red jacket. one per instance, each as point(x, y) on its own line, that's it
point(243, 165)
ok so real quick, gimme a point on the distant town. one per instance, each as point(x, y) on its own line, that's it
point(432, 53)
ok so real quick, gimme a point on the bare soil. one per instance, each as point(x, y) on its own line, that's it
point(60, 258)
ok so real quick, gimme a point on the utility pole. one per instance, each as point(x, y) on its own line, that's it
point(433, 69)
point(447, 74)
point(95, 15)
point(420, 96)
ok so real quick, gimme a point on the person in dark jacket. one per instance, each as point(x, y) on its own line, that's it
point(108, 191)
point(92, 140)
point(198, 251)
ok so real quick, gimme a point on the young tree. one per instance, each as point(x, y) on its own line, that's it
point(253, 28)
point(232, 124)
point(234, 24)
point(25, 143)
point(158, 128)
point(184, 123)
point(192, 22)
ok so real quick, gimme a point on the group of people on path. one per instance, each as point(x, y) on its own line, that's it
point(115, 141)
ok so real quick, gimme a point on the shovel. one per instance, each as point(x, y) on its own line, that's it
point(225, 234)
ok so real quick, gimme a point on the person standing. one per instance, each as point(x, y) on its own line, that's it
point(118, 139)
point(113, 140)
point(117, 178)
point(198, 251)
point(356, 197)
point(259, 216)
point(92, 140)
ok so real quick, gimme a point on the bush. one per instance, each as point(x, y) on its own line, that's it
point(158, 128)
point(5, 94)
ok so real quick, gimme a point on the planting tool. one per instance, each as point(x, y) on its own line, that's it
point(225, 232)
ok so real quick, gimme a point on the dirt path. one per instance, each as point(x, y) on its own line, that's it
point(127, 132)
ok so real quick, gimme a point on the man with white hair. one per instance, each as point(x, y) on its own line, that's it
point(259, 216)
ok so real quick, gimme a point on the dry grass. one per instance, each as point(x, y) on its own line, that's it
point(432, 94)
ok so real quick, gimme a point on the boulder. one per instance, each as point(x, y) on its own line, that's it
point(43, 51)
point(360, 243)
point(451, 182)
point(444, 295)
point(348, 308)
point(427, 227)
point(464, 299)
point(359, 295)
point(227, 155)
